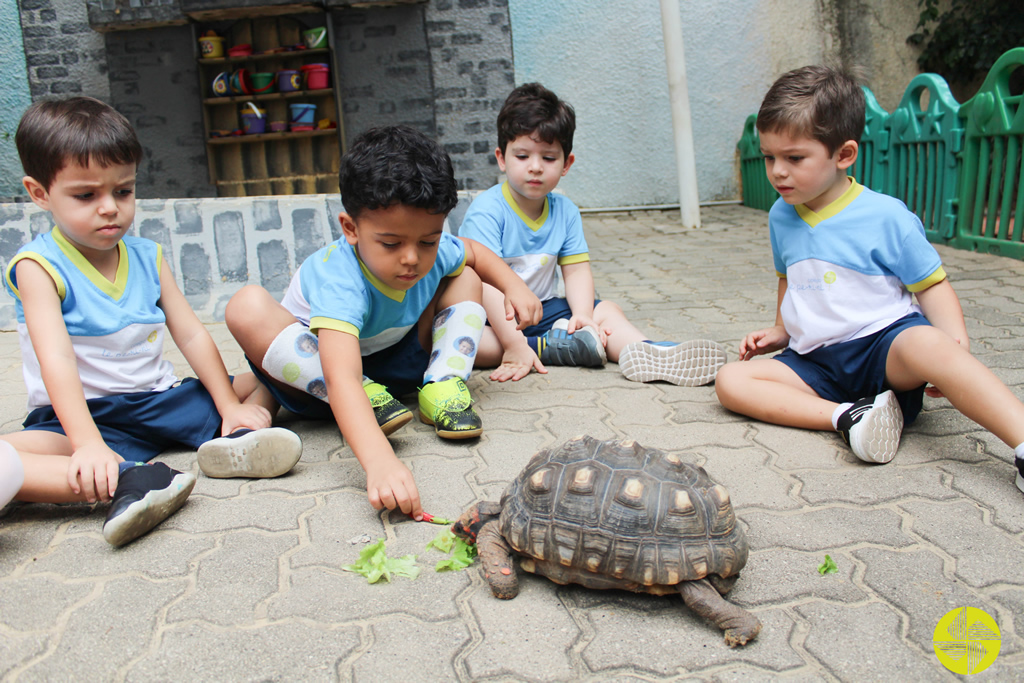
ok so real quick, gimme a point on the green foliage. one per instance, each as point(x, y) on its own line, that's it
point(828, 566)
point(374, 564)
point(963, 42)
point(462, 553)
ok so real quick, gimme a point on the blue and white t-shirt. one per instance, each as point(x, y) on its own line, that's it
point(850, 268)
point(531, 248)
point(333, 289)
point(116, 328)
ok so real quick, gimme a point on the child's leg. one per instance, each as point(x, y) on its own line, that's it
point(770, 391)
point(614, 323)
point(453, 335)
point(926, 354)
point(12, 473)
point(255, 319)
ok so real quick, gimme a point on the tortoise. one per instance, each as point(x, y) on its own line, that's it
point(613, 514)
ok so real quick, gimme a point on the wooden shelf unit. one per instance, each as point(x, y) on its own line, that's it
point(301, 162)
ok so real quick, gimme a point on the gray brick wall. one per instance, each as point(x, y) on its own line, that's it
point(471, 57)
point(153, 81)
point(63, 55)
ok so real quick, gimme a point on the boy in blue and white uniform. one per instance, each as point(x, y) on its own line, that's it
point(537, 233)
point(93, 305)
point(392, 307)
point(858, 350)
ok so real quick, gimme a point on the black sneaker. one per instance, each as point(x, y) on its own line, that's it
point(256, 453)
point(872, 427)
point(1020, 473)
point(387, 410)
point(145, 496)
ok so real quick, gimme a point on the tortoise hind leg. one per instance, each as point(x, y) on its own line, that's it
point(740, 626)
point(496, 562)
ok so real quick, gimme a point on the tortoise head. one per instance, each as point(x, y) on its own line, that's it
point(472, 520)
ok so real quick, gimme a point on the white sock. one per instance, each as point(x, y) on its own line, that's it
point(294, 358)
point(1019, 451)
point(842, 408)
point(12, 473)
point(455, 338)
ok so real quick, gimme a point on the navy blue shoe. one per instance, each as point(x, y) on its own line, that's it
point(145, 496)
point(580, 349)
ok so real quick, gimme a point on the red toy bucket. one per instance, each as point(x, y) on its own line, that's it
point(317, 76)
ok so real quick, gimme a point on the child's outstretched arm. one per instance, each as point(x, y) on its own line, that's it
point(196, 344)
point(92, 467)
point(520, 303)
point(579, 292)
point(771, 338)
point(389, 483)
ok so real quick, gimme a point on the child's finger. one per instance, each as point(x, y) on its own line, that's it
point(112, 474)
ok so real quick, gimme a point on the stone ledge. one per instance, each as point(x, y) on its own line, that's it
point(215, 246)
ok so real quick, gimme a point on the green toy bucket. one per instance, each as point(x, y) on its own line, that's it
point(315, 37)
point(262, 81)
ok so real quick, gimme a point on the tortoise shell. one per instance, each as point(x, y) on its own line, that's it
point(612, 514)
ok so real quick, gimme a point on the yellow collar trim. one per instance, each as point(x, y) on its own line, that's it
point(113, 289)
point(390, 292)
point(812, 218)
point(534, 225)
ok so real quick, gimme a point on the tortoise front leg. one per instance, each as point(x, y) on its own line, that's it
point(740, 626)
point(496, 562)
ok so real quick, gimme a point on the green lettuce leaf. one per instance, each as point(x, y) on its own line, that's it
point(462, 553)
point(828, 566)
point(374, 564)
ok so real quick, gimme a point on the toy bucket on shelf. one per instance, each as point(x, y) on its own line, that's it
point(288, 80)
point(211, 46)
point(302, 116)
point(239, 83)
point(254, 119)
point(243, 50)
point(316, 76)
point(220, 84)
point(315, 37)
point(262, 82)
point(278, 126)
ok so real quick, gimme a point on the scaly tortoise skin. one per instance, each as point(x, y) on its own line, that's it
point(612, 514)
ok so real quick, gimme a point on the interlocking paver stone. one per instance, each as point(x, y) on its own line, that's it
point(245, 582)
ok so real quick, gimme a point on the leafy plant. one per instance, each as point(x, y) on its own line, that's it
point(963, 42)
point(374, 564)
point(828, 566)
point(462, 553)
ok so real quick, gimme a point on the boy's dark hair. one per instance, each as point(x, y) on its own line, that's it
point(819, 102)
point(396, 165)
point(54, 133)
point(531, 109)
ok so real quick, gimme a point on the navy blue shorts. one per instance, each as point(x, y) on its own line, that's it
point(554, 309)
point(142, 425)
point(854, 369)
point(399, 367)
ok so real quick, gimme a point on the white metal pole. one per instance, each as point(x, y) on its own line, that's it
point(682, 128)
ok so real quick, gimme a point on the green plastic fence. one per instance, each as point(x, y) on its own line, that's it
point(758, 193)
point(922, 162)
point(869, 169)
point(991, 191)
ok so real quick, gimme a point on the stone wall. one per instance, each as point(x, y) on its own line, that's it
point(213, 246)
point(63, 55)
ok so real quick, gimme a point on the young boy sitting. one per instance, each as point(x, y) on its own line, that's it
point(534, 230)
point(92, 306)
point(372, 303)
point(858, 351)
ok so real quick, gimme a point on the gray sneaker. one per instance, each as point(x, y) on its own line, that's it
point(246, 453)
point(582, 348)
point(872, 427)
point(688, 364)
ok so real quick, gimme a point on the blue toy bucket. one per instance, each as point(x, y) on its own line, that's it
point(303, 114)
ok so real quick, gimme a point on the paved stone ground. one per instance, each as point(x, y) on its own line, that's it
point(244, 583)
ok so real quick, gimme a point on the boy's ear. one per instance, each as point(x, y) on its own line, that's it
point(500, 156)
point(568, 162)
point(36, 192)
point(348, 227)
point(847, 154)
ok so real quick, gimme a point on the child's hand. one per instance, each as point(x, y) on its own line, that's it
point(390, 485)
point(516, 363)
point(578, 322)
point(523, 305)
point(763, 341)
point(245, 415)
point(92, 471)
